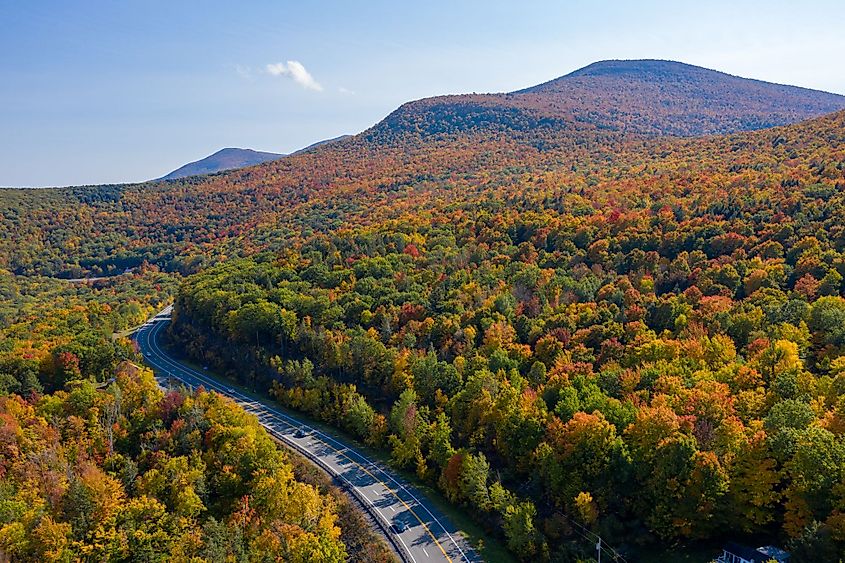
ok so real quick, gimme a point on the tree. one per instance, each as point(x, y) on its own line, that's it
point(258, 322)
point(519, 529)
point(406, 423)
point(360, 417)
point(474, 474)
point(441, 441)
point(816, 472)
point(431, 375)
point(754, 478)
point(681, 485)
point(584, 455)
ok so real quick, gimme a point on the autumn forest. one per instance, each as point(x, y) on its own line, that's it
point(600, 304)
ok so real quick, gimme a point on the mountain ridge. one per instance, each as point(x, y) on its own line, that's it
point(621, 66)
point(421, 142)
point(319, 144)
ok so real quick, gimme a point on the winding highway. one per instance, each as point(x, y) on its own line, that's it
point(419, 532)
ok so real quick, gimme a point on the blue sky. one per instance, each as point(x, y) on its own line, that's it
point(116, 91)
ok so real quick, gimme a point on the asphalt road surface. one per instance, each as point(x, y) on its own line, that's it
point(416, 528)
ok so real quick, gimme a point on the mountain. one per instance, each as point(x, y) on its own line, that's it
point(601, 102)
point(641, 97)
point(233, 158)
point(224, 159)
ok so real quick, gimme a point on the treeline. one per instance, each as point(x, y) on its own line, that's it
point(444, 143)
point(683, 340)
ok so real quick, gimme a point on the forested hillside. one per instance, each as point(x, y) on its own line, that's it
point(53, 332)
point(540, 302)
point(670, 322)
point(99, 463)
point(645, 97)
point(134, 474)
point(575, 123)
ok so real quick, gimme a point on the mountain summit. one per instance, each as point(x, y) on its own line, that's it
point(224, 159)
point(641, 97)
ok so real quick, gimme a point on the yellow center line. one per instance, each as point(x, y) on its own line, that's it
point(411, 510)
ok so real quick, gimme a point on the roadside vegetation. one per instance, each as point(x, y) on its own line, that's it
point(131, 473)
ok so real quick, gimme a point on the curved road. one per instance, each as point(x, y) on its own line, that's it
point(416, 528)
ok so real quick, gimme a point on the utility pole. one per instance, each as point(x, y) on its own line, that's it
point(598, 550)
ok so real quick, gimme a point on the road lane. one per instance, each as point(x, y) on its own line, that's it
point(418, 530)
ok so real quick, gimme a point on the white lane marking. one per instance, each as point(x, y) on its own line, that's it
point(426, 552)
point(411, 555)
point(241, 398)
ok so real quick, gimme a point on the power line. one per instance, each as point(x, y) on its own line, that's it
point(593, 537)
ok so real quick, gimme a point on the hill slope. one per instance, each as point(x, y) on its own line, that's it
point(643, 97)
point(224, 159)
point(318, 144)
point(665, 318)
point(582, 120)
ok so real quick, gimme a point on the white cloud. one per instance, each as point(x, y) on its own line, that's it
point(297, 72)
point(347, 91)
point(278, 69)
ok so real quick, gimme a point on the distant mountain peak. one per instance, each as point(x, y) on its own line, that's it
point(234, 151)
point(232, 158)
point(667, 73)
point(224, 159)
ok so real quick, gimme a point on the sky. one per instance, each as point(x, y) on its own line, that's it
point(122, 91)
